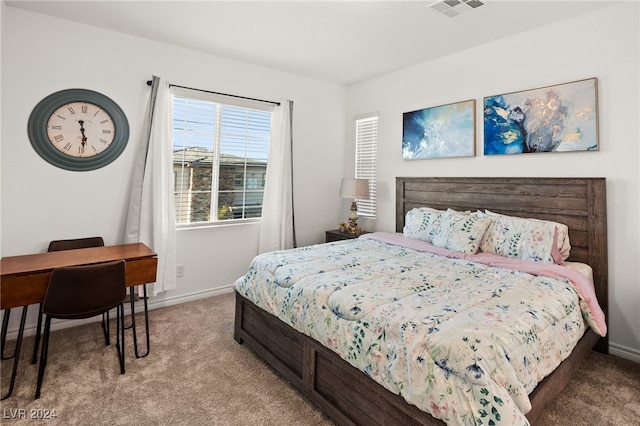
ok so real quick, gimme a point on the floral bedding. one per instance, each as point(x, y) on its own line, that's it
point(462, 340)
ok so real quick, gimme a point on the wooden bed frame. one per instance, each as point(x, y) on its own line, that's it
point(349, 396)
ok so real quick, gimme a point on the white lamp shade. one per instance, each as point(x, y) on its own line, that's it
point(354, 188)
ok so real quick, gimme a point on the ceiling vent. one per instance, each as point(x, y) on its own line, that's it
point(453, 8)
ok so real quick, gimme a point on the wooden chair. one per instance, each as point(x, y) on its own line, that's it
point(79, 292)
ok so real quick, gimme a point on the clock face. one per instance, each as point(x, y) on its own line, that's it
point(78, 129)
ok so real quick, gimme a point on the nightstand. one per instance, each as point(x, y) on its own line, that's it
point(336, 235)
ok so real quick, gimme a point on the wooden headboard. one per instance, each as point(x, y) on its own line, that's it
point(580, 203)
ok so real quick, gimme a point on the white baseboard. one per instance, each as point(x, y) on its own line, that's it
point(624, 352)
point(183, 298)
point(30, 329)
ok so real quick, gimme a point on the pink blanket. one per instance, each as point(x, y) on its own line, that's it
point(582, 284)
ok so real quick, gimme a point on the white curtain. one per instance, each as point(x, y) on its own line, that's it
point(151, 218)
point(277, 231)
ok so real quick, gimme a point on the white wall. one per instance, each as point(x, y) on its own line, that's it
point(602, 44)
point(41, 55)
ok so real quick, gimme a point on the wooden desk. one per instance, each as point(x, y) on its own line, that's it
point(24, 279)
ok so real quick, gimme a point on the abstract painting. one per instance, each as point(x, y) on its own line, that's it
point(556, 118)
point(440, 132)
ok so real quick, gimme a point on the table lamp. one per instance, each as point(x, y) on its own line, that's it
point(356, 189)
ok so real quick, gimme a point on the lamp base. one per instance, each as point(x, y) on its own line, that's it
point(353, 217)
point(352, 227)
point(353, 230)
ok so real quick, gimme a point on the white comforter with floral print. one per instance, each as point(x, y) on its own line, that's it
point(464, 341)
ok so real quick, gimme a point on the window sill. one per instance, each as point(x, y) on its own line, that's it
point(226, 223)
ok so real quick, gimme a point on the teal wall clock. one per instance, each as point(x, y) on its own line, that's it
point(78, 129)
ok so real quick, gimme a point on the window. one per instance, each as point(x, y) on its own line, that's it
point(220, 148)
point(366, 160)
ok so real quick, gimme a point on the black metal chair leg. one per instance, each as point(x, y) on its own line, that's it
point(105, 328)
point(120, 335)
point(146, 322)
point(16, 353)
point(43, 355)
point(36, 344)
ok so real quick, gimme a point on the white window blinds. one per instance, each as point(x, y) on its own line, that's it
point(220, 148)
point(366, 160)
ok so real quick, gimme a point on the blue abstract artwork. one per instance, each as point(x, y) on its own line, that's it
point(439, 132)
point(556, 118)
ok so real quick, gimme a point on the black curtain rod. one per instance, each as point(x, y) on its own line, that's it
point(149, 83)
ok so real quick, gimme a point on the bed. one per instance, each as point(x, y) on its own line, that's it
point(351, 396)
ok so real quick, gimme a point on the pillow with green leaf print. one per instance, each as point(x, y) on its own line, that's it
point(526, 238)
point(461, 232)
point(422, 223)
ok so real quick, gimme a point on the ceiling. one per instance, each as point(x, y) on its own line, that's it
point(338, 41)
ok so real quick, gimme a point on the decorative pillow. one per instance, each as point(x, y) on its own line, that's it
point(528, 239)
point(461, 232)
point(422, 223)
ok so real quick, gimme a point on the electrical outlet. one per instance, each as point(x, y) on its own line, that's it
point(180, 271)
